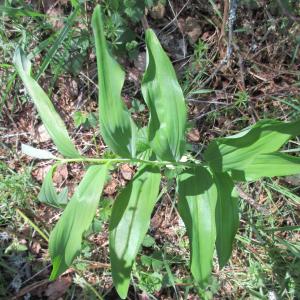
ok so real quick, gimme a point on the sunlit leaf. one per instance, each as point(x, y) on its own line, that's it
point(117, 128)
point(130, 220)
point(268, 165)
point(66, 237)
point(165, 101)
point(52, 121)
point(196, 206)
point(227, 216)
point(236, 152)
point(37, 153)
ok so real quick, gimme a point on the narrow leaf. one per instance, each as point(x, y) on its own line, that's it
point(66, 237)
point(227, 216)
point(236, 152)
point(130, 220)
point(117, 128)
point(196, 206)
point(52, 121)
point(57, 43)
point(36, 153)
point(268, 165)
point(19, 12)
point(165, 101)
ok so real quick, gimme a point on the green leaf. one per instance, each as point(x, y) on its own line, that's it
point(48, 194)
point(66, 237)
point(130, 220)
point(236, 152)
point(165, 101)
point(79, 118)
point(196, 206)
point(117, 128)
point(36, 153)
point(268, 165)
point(227, 216)
point(52, 121)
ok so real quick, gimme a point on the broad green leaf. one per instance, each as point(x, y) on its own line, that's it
point(143, 149)
point(48, 194)
point(66, 237)
point(236, 152)
point(36, 153)
point(196, 206)
point(227, 216)
point(268, 165)
point(130, 220)
point(165, 101)
point(52, 121)
point(117, 128)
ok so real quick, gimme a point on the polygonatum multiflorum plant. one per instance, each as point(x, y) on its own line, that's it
point(207, 201)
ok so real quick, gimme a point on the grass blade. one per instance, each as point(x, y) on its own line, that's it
point(59, 40)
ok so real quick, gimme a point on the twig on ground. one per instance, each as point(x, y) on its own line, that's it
point(224, 21)
point(183, 39)
point(175, 17)
point(287, 13)
point(251, 201)
point(225, 60)
point(145, 23)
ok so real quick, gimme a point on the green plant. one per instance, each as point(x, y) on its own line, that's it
point(15, 191)
point(207, 198)
point(121, 15)
point(241, 99)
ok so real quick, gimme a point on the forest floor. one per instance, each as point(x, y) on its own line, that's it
point(230, 79)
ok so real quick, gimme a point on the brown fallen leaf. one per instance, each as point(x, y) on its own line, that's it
point(194, 135)
point(126, 172)
point(111, 187)
point(293, 180)
point(58, 288)
point(60, 175)
point(43, 135)
point(140, 61)
point(158, 12)
point(192, 29)
point(40, 172)
point(36, 247)
point(143, 296)
point(55, 15)
point(30, 289)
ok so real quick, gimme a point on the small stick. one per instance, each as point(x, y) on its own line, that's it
point(145, 23)
point(250, 200)
point(225, 18)
point(224, 61)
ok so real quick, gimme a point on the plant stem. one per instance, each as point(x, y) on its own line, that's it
point(34, 226)
point(127, 160)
